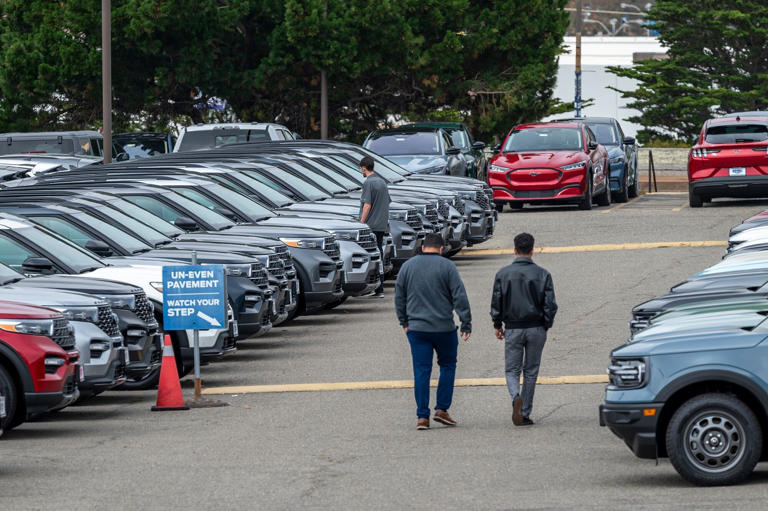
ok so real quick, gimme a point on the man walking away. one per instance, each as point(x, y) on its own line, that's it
point(427, 291)
point(374, 208)
point(524, 300)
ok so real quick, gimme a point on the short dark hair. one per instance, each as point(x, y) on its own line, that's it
point(524, 243)
point(433, 240)
point(367, 162)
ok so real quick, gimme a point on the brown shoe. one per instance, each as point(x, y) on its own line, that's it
point(442, 417)
point(517, 411)
point(422, 424)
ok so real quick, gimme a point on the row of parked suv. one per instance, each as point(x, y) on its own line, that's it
point(88, 245)
point(691, 383)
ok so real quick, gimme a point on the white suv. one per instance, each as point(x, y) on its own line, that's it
point(209, 136)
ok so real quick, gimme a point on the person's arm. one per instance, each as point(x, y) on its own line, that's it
point(401, 297)
point(365, 213)
point(366, 199)
point(461, 303)
point(550, 305)
point(497, 307)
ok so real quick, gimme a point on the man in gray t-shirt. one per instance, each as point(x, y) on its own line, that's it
point(374, 207)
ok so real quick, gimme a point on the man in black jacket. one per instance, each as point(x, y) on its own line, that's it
point(524, 300)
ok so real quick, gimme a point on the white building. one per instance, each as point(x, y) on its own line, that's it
point(597, 53)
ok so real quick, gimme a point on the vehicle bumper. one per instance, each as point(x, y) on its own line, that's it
point(114, 376)
point(629, 422)
point(254, 317)
point(481, 224)
point(143, 342)
point(736, 187)
point(224, 345)
point(41, 402)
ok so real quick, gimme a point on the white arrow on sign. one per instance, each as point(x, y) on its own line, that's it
point(207, 318)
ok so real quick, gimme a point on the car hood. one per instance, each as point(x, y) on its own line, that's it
point(716, 339)
point(98, 287)
point(279, 231)
point(550, 159)
point(714, 321)
point(693, 311)
point(419, 163)
point(49, 297)
point(326, 224)
point(207, 237)
point(692, 299)
point(734, 280)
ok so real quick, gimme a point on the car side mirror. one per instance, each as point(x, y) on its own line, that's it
point(122, 157)
point(592, 146)
point(37, 266)
point(478, 145)
point(99, 248)
point(185, 223)
point(453, 150)
point(629, 141)
point(497, 148)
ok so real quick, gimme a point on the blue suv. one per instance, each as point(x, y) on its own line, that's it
point(695, 391)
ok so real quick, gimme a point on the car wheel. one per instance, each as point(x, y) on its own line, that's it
point(694, 200)
point(714, 439)
point(585, 203)
point(11, 400)
point(147, 382)
point(604, 199)
point(623, 194)
point(632, 190)
point(499, 205)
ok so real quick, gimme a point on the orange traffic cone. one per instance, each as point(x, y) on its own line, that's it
point(169, 389)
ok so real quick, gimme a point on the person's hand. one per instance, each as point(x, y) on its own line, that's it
point(499, 333)
point(405, 329)
point(465, 336)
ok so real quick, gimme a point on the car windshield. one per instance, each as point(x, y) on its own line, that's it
point(272, 195)
point(40, 146)
point(196, 140)
point(145, 217)
point(226, 197)
point(404, 143)
point(303, 187)
point(544, 139)
point(308, 172)
point(67, 252)
point(736, 133)
point(212, 218)
point(134, 226)
point(606, 133)
point(8, 275)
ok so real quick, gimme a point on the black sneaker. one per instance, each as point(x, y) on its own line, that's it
point(517, 413)
point(525, 422)
point(379, 295)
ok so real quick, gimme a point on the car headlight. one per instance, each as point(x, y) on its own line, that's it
point(234, 271)
point(121, 301)
point(158, 286)
point(28, 326)
point(468, 195)
point(628, 373)
point(303, 242)
point(577, 165)
point(431, 170)
point(398, 215)
point(89, 314)
point(497, 168)
point(346, 235)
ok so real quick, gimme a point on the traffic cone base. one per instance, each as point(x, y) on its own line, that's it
point(169, 395)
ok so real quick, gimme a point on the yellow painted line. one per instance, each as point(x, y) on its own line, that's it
point(597, 248)
point(681, 206)
point(396, 384)
point(619, 206)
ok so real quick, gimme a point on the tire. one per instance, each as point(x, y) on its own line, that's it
point(148, 382)
point(12, 409)
point(585, 204)
point(694, 200)
point(714, 439)
point(499, 205)
point(632, 190)
point(604, 199)
point(623, 194)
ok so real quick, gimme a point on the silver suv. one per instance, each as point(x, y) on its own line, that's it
point(210, 136)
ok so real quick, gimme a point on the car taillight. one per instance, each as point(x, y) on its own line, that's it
point(761, 149)
point(703, 153)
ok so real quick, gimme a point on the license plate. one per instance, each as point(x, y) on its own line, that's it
point(737, 171)
point(2, 407)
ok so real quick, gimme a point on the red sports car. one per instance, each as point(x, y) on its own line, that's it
point(552, 162)
point(730, 158)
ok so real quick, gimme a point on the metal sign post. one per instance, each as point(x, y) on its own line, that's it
point(195, 298)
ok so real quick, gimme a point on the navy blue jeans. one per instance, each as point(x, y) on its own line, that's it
point(422, 346)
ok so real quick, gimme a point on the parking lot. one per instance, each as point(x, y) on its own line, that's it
point(358, 448)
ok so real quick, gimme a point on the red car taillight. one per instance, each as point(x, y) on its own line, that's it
point(703, 153)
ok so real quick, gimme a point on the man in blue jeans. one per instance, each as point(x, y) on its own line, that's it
point(523, 301)
point(427, 291)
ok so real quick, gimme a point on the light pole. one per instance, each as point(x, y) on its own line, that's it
point(106, 78)
point(577, 95)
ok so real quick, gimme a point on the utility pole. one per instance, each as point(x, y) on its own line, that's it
point(106, 78)
point(577, 96)
point(323, 105)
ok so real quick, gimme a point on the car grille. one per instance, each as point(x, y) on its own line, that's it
point(368, 241)
point(144, 310)
point(331, 248)
point(488, 192)
point(643, 315)
point(259, 275)
point(444, 208)
point(276, 266)
point(482, 199)
point(70, 384)
point(373, 278)
point(107, 321)
point(63, 335)
point(413, 220)
point(432, 215)
point(458, 203)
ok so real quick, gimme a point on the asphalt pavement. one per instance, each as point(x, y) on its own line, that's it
point(359, 449)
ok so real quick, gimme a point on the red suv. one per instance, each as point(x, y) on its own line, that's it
point(38, 361)
point(552, 162)
point(730, 158)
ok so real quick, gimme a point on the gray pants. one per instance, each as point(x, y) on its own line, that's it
point(522, 351)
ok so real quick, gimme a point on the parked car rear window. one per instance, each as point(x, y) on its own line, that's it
point(145, 148)
point(38, 147)
point(736, 133)
point(459, 138)
point(196, 140)
point(605, 133)
point(393, 144)
point(544, 139)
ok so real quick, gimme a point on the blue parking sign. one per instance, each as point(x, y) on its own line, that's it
point(194, 297)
